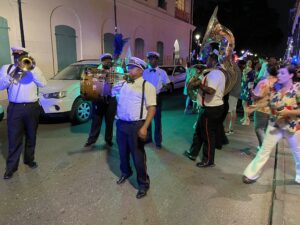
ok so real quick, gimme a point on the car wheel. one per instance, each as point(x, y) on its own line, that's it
point(81, 111)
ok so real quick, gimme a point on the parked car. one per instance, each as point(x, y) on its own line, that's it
point(61, 96)
point(176, 75)
point(1, 112)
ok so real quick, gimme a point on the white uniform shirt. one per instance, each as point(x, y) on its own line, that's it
point(216, 80)
point(157, 78)
point(25, 90)
point(130, 99)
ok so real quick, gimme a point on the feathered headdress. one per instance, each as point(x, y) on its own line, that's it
point(119, 43)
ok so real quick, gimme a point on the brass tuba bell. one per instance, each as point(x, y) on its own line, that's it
point(217, 33)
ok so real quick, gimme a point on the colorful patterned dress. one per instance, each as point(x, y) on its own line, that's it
point(247, 85)
point(290, 101)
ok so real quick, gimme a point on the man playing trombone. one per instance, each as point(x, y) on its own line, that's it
point(22, 80)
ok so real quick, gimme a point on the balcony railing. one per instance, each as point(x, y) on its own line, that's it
point(182, 15)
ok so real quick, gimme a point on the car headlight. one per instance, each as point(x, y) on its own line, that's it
point(60, 94)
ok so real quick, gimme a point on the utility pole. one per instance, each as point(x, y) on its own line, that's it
point(21, 23)
point(115, 13)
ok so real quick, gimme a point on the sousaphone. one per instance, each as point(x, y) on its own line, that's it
point(217, 33)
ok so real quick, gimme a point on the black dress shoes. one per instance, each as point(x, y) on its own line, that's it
point(109, 143)
point(32, 165)
point(188, 155)
point(158, 146)
point(88, 144)
point(246, 180)
point(8, 175)
point(141, 193)
point(204, 165)
point(122, 179)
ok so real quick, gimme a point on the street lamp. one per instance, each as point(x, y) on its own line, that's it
point(197, 36)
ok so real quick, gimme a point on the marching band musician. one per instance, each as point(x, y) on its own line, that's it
point(210, 98)
point(105, 107)
point(23, 109)
point(136, 108)
point(159, 79)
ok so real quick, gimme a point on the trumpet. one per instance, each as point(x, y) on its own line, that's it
point(26, 63)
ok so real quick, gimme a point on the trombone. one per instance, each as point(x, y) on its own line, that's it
point(25, 64)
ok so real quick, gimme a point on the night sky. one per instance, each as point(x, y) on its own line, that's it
point(259, 25)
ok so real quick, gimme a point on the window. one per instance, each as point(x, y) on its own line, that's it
point(73, 72)
point(4, 43)
point(65, 46)
point(162, 4)
point(180, 4)
point(139, 48)
point(179, 70)
point(109, 43)
point(160, 50)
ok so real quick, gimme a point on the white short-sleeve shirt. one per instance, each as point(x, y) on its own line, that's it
point(214, 79)
point(130, 100)
point(157, 78)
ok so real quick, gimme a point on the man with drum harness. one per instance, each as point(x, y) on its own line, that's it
point(22, 80)
point(105, 107)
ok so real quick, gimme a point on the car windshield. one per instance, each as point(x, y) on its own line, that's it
point(72, 72)
point(168, 69)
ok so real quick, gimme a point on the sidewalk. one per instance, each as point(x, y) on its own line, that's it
point(287, 192)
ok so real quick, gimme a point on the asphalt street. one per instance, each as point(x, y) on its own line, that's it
point(77, 186)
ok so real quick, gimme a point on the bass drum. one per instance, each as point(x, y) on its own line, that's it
point(91, 88)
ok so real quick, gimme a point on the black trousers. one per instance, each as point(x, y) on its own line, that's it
point(105, 108)
point(206, 133)
point(22, 121)
point(221, 136)
point(157, 123)
point(129, 143)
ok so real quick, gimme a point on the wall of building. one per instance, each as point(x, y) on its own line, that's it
point(91, 19)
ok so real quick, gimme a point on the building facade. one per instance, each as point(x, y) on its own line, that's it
point(293, 42)
point(60, 32)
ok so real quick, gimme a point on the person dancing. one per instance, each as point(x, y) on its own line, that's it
point(284, 122)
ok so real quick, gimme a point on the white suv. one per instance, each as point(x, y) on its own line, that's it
point(61, 96)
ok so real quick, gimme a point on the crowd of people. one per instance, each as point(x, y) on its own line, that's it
point(268, 88)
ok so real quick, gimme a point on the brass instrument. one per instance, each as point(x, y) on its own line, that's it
point(217, 33)
point(191, 90)
point(26, 63)
point(95, 83)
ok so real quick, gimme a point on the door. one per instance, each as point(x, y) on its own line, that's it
point(4, 43)
point(65, 46)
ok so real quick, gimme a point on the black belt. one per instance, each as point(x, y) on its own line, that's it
point(23, 103)
point(136, 121)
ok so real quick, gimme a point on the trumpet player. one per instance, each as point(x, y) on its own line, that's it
point(22, 80)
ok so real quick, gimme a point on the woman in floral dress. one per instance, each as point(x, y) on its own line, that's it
point(284, 122)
